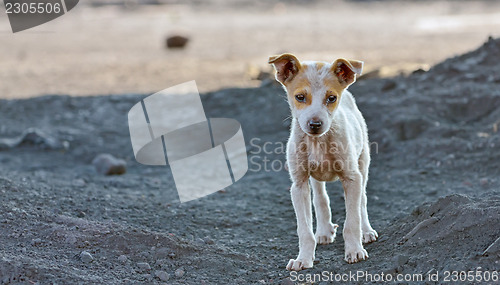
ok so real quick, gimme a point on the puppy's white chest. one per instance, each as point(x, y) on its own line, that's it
point(315, 160)
point(320, 162)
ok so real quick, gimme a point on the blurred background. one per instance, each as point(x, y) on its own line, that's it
point(116, 47)
point(433, 192)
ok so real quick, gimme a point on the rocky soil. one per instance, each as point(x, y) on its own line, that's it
point(433, 193)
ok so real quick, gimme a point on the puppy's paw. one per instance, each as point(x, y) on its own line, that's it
point(369, 236)
point(299, 264)
point(355, 254)
point(326, 234)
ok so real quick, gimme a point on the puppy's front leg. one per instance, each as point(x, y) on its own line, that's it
point(301, 199)
point(354, 250)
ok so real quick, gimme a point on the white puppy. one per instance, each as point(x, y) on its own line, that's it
point(328, 141)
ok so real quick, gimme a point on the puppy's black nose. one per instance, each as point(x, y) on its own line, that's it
point(315, 125)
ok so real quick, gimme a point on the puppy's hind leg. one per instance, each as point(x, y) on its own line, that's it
point(325, 229)
point(354, 250)
point(369, 234)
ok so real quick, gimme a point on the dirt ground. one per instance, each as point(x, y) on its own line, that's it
point(98, 50)
point(433, 192)
point(432, 196)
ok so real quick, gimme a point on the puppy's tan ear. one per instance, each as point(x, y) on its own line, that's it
point(346, 70)
point(286, 65)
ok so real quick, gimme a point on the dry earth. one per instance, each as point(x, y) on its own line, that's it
point(433, 193)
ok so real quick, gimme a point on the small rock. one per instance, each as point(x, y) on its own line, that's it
point(176, 41)
point(389, 85)
point(122, 258)
point(36, 242)
point(65, 145)
point(199, 241)
point(242, 272)
point(208, 240)
point(401, 260)
point(86, 257)
point(70, 239)
point(34, 137)
point(79, 182)
point(143, 266)
point(109, 165)
point(162, 275)
point(483, 181)
point(179, 273)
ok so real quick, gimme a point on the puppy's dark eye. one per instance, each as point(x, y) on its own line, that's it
point(331, 99)
point(301, 98)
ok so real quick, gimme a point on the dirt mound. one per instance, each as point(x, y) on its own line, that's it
point(463, 229)
point(432, 194)
point(455, 105)
point(454, 214)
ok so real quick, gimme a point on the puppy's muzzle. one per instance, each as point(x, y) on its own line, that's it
point(315, 126)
